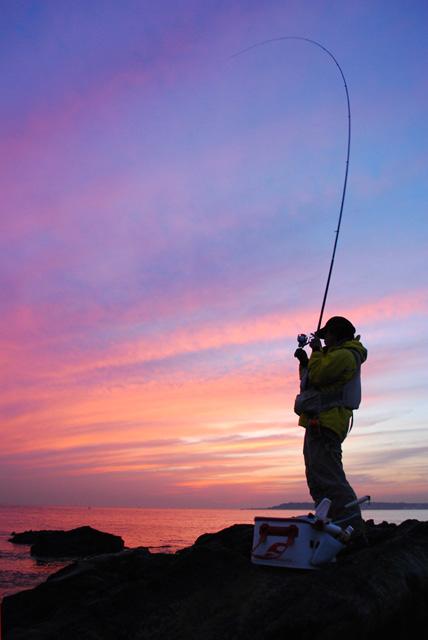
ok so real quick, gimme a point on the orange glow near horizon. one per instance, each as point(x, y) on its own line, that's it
point(198, 431)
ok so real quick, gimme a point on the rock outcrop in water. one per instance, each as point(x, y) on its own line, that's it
point(83, 541)
point(211, 591)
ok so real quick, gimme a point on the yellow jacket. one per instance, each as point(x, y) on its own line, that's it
point(329, 370)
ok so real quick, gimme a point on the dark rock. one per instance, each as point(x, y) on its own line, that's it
point(28, 537)
point(83, 541)
point(211, 591)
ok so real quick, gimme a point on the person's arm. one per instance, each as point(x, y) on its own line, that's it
point(303, 359)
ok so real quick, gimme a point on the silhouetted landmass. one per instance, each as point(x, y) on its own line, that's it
point(367, 505)
point(212, 591)
point(79, 542)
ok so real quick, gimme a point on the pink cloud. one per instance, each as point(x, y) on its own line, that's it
point(263, 328)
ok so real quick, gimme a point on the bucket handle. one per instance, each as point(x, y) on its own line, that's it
point(278, 548)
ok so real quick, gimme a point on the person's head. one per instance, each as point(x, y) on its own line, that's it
point(336, 330)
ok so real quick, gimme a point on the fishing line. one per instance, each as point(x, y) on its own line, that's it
point(345, 182)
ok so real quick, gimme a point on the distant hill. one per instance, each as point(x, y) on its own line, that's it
point(366, 505)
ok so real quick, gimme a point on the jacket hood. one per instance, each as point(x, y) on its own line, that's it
point(356, 345)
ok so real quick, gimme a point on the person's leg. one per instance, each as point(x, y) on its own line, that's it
point(326, 477)
point(311, 445)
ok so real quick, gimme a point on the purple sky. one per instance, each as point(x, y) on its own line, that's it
point(167, 221)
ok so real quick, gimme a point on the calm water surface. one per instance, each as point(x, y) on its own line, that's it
point(162, 530)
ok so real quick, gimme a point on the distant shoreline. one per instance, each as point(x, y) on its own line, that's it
point(372, 506)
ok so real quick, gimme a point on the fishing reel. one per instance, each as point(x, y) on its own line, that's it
point(303, 339)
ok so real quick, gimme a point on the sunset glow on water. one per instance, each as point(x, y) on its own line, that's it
point(161, 530)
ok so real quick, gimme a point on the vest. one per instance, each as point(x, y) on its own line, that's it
point(312, 402)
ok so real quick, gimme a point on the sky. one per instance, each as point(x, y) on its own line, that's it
point(168, 213)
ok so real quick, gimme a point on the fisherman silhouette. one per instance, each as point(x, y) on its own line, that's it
point(330, 390)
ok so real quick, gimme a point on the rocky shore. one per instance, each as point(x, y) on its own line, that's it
point(211, 591)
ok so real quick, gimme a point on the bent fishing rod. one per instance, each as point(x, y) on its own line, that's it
point(345, 182)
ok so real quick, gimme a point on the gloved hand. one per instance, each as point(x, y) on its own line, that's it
point(302, 356)
point(315, 344)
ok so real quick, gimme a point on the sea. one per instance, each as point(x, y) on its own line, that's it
point(161, 530)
